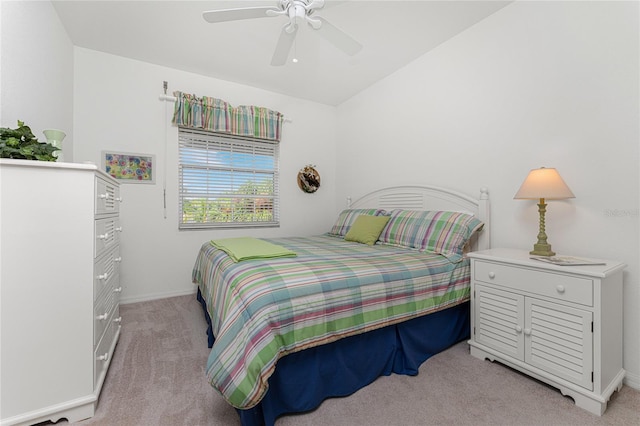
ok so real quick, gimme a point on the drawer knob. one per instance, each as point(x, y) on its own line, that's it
point(117, 290)
point(117, 320)
point(104, 196)
point(103, 236)
point(119, 229)
point(527, 332)
point(560, 289)
point(103, 277)
point(119, 199)
point(104, 357)
point(118, 259)
point(102, 317)
point(492, 275)
point(518, 329)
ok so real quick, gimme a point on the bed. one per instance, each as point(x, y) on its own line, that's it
point(323, 316)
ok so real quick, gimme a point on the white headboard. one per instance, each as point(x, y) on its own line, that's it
point(422, 197)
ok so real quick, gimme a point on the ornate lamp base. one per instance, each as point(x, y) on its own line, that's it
point(542, 250)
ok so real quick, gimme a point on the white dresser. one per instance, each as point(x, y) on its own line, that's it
point(59, 288)
point(559, 324)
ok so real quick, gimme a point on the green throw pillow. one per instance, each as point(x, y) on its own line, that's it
point(366, 229)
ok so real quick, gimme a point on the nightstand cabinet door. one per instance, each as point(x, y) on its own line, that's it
point(558, 339)
point(499, 319)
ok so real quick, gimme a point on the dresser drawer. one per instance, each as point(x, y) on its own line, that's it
point(101, 315)
point(554, 285)
point(103, 352)
point(107, 234)
point(107, 197)
point(106, 271)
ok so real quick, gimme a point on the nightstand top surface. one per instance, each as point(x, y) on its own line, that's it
point(523, 258)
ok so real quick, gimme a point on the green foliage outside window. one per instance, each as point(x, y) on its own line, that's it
point(251, 202)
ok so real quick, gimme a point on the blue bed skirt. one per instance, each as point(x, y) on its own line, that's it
point(302, 380)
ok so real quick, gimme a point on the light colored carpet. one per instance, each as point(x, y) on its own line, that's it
point(157, 378)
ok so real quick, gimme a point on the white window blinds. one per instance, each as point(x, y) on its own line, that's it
point(226, 181)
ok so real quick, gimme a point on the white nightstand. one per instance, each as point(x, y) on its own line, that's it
point(559, 324)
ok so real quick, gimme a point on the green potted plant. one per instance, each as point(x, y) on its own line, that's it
point(21, 144)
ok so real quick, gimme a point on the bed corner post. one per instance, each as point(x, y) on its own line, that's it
point(484, 214)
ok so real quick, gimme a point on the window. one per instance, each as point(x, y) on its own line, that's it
point(227, 181)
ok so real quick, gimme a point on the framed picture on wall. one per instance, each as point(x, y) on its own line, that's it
point(128, 167)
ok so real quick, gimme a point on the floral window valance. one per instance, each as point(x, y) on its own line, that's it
point(217, 115)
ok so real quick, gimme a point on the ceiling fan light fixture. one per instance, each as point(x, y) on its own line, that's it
point(297, 11)
point(314, 22)
point(273, 12)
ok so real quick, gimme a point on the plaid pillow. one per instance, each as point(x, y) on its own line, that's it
point(347, 217)
point(441, 232)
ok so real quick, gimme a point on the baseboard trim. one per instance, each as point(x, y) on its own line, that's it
point(632, 380)
point(156, 296)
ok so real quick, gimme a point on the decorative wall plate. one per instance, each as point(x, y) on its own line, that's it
point(309, 179)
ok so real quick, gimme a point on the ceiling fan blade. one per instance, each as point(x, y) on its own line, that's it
point(338, 38)
point(285, 41)
point(224, 15)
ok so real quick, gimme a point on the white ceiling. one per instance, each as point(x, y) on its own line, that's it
point(174, 34)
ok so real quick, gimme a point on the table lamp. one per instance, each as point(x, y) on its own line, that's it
point(543, 183)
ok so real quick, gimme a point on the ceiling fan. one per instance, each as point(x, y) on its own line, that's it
point(295, 11)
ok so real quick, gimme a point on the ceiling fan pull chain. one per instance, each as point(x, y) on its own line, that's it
point(295, 52)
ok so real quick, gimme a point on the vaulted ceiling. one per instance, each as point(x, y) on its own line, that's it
point(174, 34)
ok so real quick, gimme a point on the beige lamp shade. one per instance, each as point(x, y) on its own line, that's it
point(544, 183)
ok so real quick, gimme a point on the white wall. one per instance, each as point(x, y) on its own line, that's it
point(36, 79)
point(550, 84)
point(117, 108)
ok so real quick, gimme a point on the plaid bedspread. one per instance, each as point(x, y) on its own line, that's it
point(262, 310)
